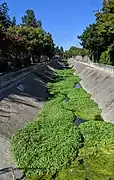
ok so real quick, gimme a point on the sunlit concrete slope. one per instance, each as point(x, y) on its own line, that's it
point(100, 85)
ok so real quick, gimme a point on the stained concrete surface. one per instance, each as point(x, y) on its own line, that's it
point(16, 109)
point(100, 85)
point(20, 102)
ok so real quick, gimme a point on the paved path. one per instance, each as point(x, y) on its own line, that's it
point(19, 104)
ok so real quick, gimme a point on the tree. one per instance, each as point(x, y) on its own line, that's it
point(48, 49)
point(39, 23)
point(5, 21)
point(105, 27)
point(37, 41)
point(61, 52)
point(105, 57)
point(29, 19)
point(93, 41)
point(98, 37)
point(14, 21)
point(74, 51)
point(23, 44)
point(56, 50)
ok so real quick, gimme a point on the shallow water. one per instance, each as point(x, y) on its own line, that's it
point(77, 86)
point(67, 99)
point(78, 121)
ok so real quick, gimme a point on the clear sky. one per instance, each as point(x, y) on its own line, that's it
point(64, 19)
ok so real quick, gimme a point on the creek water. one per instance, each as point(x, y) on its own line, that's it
point(78, 121)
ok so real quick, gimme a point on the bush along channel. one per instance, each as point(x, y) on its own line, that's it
point(68, 140)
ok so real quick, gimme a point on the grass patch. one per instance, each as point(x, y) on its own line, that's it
point(51, 146)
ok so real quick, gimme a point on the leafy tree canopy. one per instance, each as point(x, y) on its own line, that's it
point(29, 19)
point(21, 45)
point(74, 51)
point(14, 21)
point(98, 37)
point(5, 20)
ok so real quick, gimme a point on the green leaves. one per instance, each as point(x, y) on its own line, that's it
point(98, 37)
point(5, 21)
point(49, 143)
point(29, 19)
point(97, 132)
point(74, 51)
point(22, 45)
point(105, 58)
point(53, 145)
point(79, 103)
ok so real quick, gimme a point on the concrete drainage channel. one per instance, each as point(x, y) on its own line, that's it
point(76, 120)
point(99, 82)
point(20, 102)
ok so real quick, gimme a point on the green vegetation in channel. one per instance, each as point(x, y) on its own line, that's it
point(79, 102)
point(49, 143)
point(96, 158)
point(53, 147)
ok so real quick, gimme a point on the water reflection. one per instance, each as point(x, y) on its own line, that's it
point(78, 121)
point(77, 86)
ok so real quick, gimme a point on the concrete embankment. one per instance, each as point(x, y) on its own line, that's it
point(98, 80)
point(20, 101)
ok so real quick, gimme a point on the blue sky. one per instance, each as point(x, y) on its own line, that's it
point(64, 19)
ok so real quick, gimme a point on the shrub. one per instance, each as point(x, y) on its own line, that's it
point(105, 58)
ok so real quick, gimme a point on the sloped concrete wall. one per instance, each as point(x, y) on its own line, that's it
point(12, 77)
point(100, 84)
point(86, 60)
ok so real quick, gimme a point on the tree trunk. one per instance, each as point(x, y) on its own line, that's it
point(31, 59)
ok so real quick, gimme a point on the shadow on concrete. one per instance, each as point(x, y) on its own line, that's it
point(5, 113)
point(34, 83)
point(21, 102)
point(12, 171)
